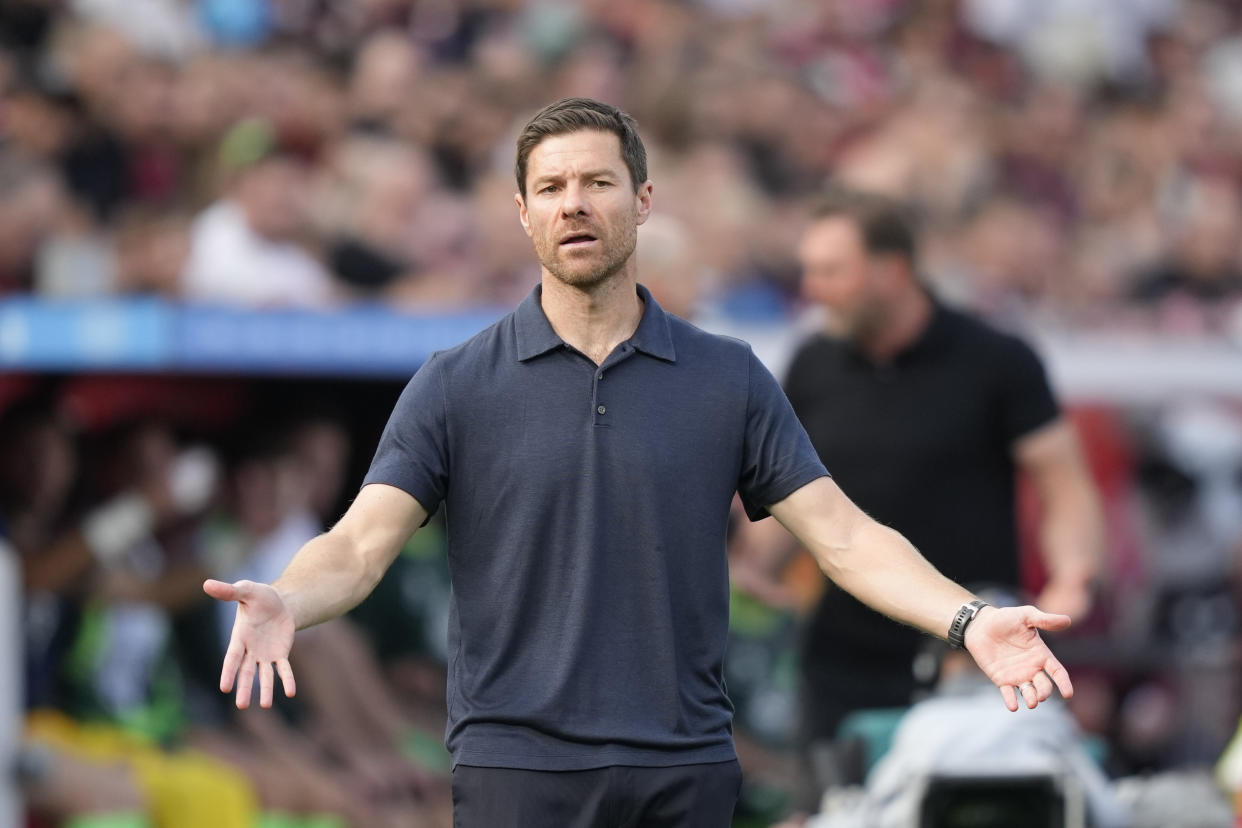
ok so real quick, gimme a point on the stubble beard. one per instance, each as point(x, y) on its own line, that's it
point(617, 251)
point(866, 324)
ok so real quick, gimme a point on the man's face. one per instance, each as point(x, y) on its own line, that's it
point(580, 208)
point(838, 274)
point(273, 194)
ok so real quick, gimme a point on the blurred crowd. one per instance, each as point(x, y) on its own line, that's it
point(116, 520)
point(1076, 162)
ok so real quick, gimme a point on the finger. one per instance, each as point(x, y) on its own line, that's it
point(220, 590)
point(245, 683)
point(286, 678)
point(1010, 697)
point(1048, 621)
point(266, 682)
point(232, 660)
point(1043, 685)
point(1029, 695)
point(1059, 675)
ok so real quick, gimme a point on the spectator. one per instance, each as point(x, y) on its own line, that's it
point(1203, 268)
point(31, 205)
point(151, 251)
point(386, 68)
point(246, 249)
point(392, 232)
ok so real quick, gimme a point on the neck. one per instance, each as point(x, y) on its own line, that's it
point(905, 321)
point(594, 320)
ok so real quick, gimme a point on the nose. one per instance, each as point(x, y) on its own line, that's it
point(574, 202)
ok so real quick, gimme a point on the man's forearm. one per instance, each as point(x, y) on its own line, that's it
point(324, 580)
point(870, 561)
point(331, 574)
point(883, 570)
point(1072, 537)
point(1072, 528)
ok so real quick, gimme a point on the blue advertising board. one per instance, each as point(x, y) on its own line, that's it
point(128, 335)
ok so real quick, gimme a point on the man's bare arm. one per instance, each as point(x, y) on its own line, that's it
point(883, 570)
point(874, 563)
point(333, 573)
point(1072, 526)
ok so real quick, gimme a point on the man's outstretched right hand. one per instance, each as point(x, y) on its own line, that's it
point(262, 637)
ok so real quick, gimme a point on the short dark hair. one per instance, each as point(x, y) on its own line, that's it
point(572, 115)
point(886, 224)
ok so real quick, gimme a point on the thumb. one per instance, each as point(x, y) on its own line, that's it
point(1047, 620)
point(220, 590)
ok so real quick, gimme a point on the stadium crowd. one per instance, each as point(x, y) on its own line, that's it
point(1072, 164)
point(1078, 160)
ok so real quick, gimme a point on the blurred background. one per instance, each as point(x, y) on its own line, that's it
point(231, 229)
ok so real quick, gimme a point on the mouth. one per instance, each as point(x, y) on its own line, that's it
point(578, 241)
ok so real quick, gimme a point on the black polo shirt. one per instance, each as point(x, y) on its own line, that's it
point(586, 509)
point(923, 444)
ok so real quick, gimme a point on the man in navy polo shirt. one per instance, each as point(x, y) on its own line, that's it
point(586, 449)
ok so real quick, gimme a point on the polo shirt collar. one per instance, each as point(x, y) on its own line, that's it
point(653, 336)
point(934, 333)
point(931, 336)
point(534, 332)
point(535, 335)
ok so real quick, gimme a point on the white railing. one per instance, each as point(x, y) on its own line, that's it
point(11, 671)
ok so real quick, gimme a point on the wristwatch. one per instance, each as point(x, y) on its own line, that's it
point(957, 630)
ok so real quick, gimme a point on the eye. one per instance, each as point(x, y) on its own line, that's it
point(550, 188)
point(600, 184)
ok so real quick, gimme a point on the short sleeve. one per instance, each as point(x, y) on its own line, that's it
point(413, 450)
point(777, 456)
point(1026, 399)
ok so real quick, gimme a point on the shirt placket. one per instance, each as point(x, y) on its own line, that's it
point(602, 405)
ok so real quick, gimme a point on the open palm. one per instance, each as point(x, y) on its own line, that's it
point(1006, 645)
point(261, 640)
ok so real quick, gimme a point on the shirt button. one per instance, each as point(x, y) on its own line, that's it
point(599, 375)
point(602, 410)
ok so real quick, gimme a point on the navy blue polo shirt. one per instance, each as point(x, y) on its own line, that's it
point(586, 509)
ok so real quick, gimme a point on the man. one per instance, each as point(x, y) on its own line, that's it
point(923, 414)
point(587, 448)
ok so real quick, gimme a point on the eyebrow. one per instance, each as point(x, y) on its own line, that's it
point(597, 173)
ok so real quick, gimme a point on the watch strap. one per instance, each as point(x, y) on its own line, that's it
point(967, 613)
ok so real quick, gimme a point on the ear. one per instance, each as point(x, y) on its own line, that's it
point(643, 198)
point(522, 217)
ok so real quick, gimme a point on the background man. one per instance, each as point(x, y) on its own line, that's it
point(923, 414)
point(586, 449)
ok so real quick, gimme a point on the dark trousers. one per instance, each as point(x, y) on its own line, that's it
point(620, 796)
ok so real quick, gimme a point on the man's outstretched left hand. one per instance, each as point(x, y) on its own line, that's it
point(1006, 644)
